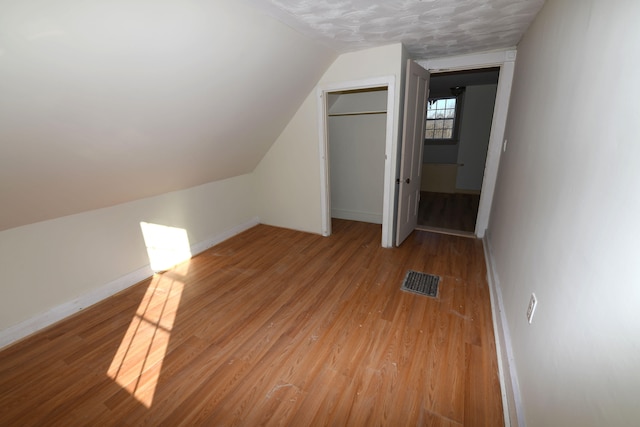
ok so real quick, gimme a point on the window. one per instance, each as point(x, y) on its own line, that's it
point(441, 120)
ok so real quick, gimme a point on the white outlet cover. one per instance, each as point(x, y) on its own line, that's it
point(533, 302)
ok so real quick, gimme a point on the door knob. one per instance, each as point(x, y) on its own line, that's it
point(408, 180)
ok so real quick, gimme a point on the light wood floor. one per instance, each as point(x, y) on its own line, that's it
point(456, 212)
point(273, 327)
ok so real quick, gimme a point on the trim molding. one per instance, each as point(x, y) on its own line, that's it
point(55, 314)
point(215, 239)
point(375, 218)
point(511, 400)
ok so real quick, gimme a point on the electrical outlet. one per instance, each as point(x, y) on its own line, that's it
point(532, 307)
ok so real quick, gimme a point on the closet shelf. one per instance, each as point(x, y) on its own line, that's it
point(358, 113)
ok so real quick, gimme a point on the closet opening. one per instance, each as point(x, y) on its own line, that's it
point(356, 129)
point(356, 146)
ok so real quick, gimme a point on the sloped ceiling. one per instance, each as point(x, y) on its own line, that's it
point(104, 102)
point(427, 28)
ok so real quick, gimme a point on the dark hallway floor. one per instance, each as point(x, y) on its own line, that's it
point(450, 211)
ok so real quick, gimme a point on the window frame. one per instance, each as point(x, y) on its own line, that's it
point(456, 121)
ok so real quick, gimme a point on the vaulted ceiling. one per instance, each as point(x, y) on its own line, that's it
point(104, 102)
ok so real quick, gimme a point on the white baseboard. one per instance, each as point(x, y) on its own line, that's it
point(374, 218)
point(511, 401)
point(225, 235)
point(41, 321)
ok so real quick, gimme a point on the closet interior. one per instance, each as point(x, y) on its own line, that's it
point(356, 131)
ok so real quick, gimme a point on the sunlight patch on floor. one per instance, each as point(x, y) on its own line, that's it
point(138, 362)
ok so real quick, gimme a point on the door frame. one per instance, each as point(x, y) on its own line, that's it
point(506, 61)
point(391, 146)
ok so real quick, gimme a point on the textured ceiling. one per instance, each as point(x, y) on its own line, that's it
point(428, 28)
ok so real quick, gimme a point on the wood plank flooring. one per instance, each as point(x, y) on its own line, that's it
point(456, 212)
point(273, 327)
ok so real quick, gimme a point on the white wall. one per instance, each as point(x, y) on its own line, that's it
point(475, 130)
point(49, 265)
point(288, 177)
point(565, 221)
point(356, 156)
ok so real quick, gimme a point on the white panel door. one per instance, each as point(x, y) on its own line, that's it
point(415, 107)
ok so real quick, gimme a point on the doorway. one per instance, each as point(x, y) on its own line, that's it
point(461, 102)
point(505, 60)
